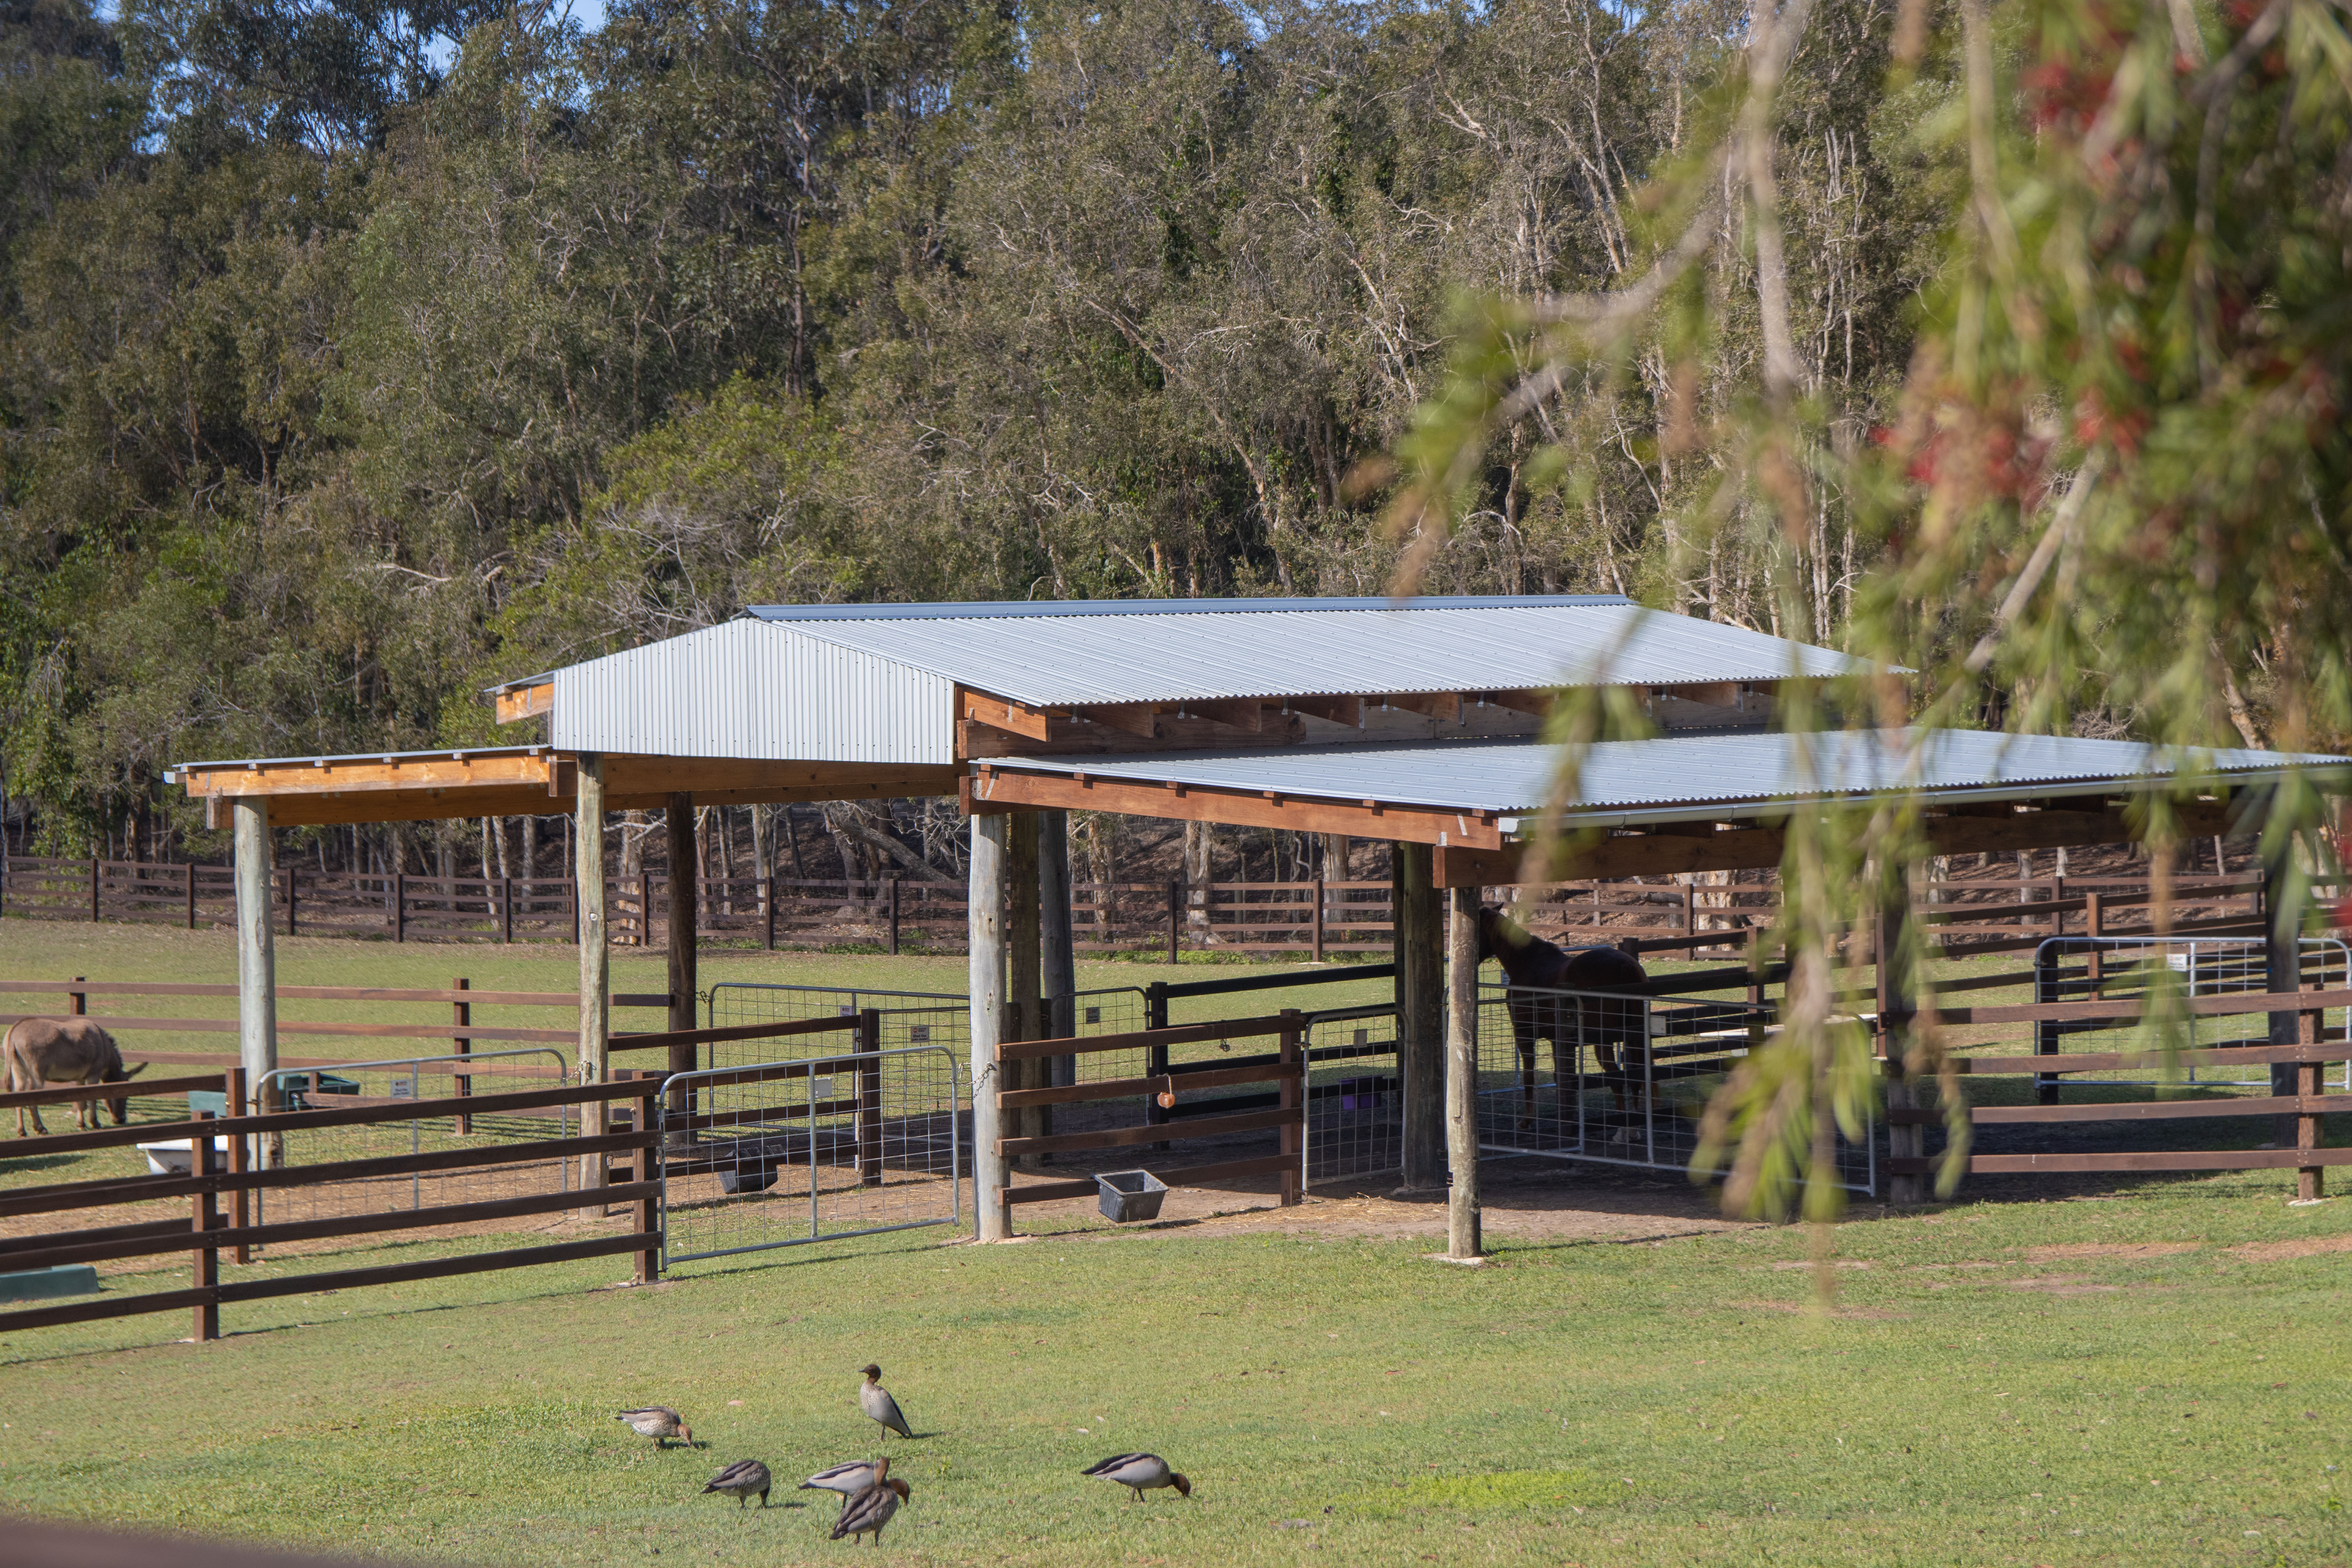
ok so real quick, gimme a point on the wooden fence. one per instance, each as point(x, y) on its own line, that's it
point(2307, 1053)
point(208, 1230)
point(1286, 1067)
point(1307, 919)
point(459, 1029)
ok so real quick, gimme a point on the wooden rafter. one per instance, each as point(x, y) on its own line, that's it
point(525, 701)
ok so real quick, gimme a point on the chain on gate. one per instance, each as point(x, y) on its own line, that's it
point(820, 1149)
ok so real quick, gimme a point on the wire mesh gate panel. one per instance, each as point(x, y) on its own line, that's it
point(1616, 1079)
point(820, 1149)
point(2086, 968)
point(351, 1085)
point(1355, 1094)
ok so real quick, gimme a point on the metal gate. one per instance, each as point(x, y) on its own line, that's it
point(1628, 1077)
point(1355, 1093)
point(824, 1148)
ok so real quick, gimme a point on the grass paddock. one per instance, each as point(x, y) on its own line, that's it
point(2105, 1372)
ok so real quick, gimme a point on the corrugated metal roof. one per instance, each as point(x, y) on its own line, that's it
point(1691, 777)
point(998, 609)
point(745, 690)
point(1176, 650)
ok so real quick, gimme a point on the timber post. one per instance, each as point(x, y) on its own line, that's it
point(257, 948)
point(203, 1216)
point(1024, 970)
point(1895, 1008)
point(1058, 955)
point(1462, 1240)
point(991, 1216)
point(1418, 941)
point(1293, 1097)
point(596, 956)
point(2282, 971)
point(461, 1015)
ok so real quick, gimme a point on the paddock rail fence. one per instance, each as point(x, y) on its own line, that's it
point(1313, 919)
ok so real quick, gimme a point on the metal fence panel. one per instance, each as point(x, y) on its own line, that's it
point(819, 1148)
point(2205, 966)
point(354, 1084)
point(1615, 1079)
point(1355, 1093)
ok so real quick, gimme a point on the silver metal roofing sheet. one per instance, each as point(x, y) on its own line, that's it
point(1696, 776)
point(974, 609)
point(1275, 648)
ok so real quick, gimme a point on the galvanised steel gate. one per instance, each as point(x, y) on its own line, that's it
point(1626, 1079)
point(824, 1148)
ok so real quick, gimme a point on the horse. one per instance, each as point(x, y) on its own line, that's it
point(1532, 966)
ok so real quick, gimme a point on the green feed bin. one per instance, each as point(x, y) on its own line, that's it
point(47, 1284)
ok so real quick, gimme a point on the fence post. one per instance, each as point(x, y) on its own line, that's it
point(289, 899)
point(572, 896)
point(191, 869)
point(1294, 1097)
point(506, 910)
point(2095, 925)
point(2310, 1181)
point(1318, 919)
point(78, 1001)
point(894, 917)
point(1175, 914)
point(2057, 916)
point(1155, 1061)
point(869, 1097)
point(768, 910)
point(204, 1209)
point(1754, 987)
point(461, 1014)
point(93, 889)
point(233, 1092)
point(400, 906)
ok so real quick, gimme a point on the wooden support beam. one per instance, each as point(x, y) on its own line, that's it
point(998, 789)
point(525, 703)
point(1137, 719)
point(1075, 736)
point(1523, 700)
point(1670, 848)
point(1002, 713)
point(1348, 710)
point(1443, 706)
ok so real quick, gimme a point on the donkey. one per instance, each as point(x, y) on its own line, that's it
point(1539, 966)
point(41, 1051)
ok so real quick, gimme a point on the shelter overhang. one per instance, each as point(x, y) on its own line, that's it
point(524, 781)
point(1663, 806)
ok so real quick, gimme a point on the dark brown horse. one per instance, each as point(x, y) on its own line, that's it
point(1540, 966)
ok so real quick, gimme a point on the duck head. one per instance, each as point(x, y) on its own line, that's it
point(1181, 1482)
point(872, 1373)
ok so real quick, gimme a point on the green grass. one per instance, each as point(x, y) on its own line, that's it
point(1334, 1399)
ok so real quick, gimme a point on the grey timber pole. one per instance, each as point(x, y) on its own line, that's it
point(596, 955)
point(257, 948)
point(1462, 1227)
point(1060, 958)
point(992, 1216)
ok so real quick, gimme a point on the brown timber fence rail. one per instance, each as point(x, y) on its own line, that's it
point(1304, 919)
point(1285, 1068)
point(458, 1027)
point(2307, 1053)
point(208, 1230)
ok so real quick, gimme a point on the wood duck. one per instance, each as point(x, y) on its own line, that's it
point(848, 1480)
point(870, 1510)
point(740, 1479)
point(1139, 1473)
point(876, 1401)
point(658, 1422)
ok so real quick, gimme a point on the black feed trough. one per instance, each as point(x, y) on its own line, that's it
point(1130, 1195)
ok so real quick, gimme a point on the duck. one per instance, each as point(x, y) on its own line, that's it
point(876, 1401)
point(740, 1479)
point(658, 1422)
point(849, 1478)
point(870, 1510)
point(1139, 1473)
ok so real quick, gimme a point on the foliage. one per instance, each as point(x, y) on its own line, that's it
point(2109, 489)
point(343, 372)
